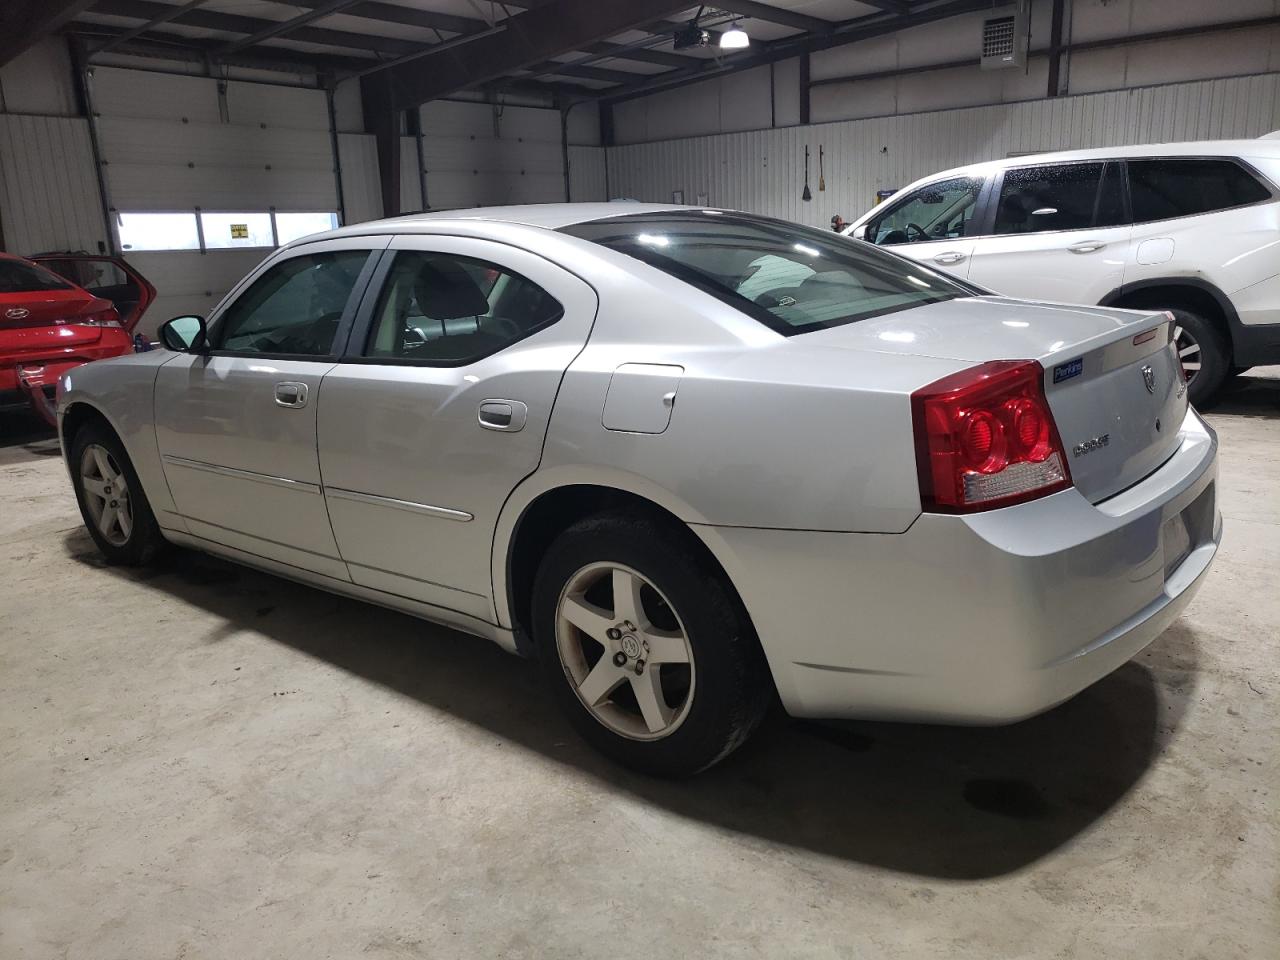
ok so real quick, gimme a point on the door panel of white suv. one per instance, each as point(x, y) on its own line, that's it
point(1059, 233)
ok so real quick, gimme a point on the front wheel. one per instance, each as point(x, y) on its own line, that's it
point(645, 647)
point(115, 510)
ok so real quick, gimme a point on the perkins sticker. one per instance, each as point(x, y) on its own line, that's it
point(1065, 371)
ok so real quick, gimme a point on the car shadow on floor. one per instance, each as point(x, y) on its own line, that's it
point(1249, 396)
point(24, 436)
point(960, 803)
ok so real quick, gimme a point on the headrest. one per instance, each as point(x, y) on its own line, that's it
point(445, 291)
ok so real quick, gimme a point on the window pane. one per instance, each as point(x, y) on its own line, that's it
point(1163, 189)
point(940, 211)
point(294, 308)
point(1111, 199)
point(788, 277)
point(1057, 197)
point(158, 231)
point(291, 226)
point(18, 276)
point(450, 310)
point(224, 230)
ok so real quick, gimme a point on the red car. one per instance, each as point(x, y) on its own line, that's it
point(59, 312)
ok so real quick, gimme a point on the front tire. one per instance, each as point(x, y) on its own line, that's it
point(645, 647)
point(115, 510)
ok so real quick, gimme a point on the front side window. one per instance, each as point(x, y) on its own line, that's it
point(1165, 189)
point(940, 211)
point(1063, 196)
point(294, 308)
point(447, 310)
point(790, 278)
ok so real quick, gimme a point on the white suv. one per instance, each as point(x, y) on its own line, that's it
point(1193, 228)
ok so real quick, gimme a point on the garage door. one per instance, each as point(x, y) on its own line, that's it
point(204, 177)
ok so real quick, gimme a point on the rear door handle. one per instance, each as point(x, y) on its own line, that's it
point(507, 416)
point(291, 393)
point(950, 257)
point(1086, 246)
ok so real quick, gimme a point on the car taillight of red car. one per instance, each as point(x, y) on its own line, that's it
point(985, 438)
point(99, 318)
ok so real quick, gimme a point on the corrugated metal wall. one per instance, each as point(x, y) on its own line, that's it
point(763, 171)
point(586, 174)
point(49, 198)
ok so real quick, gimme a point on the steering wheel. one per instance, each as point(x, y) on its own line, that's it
point(918, 229)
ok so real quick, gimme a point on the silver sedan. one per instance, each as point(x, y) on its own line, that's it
point(690, 459)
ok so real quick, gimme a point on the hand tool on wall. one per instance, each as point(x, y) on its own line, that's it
point(807, 195)
point(822, 175)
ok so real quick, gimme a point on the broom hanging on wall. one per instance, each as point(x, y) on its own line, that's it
point(822, 174)
point(806, 195)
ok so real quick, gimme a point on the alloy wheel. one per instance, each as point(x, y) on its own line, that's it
point(625, 651)
point(1189, 354)
point(106, 494)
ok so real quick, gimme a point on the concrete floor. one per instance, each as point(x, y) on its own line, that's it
point(211, 762)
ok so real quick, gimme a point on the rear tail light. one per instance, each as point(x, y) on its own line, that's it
point(103, 318)
point(985, 438)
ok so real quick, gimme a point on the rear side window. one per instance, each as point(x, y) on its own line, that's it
point(790, 278)
point(1165, 189)
point(1062, 196)
point(438, 309)
point(18, 276)
point(294, 308)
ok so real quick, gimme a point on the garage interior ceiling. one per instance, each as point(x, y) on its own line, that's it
point(490, 45)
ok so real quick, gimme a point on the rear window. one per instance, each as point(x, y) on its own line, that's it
point(788, 277)
point(18, 276)
point(1165, 189)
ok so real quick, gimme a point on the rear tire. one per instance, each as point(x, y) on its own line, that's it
point(1200, 342)
point(114, 507)
point(627, 616)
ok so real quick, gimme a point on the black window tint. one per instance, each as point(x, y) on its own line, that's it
point(940, 211)
point(1055, 197)
point(448, 310)
point(294, 308)
point(18, 276)
point(1111, 197)
point(790, 278)
point(1164, 189)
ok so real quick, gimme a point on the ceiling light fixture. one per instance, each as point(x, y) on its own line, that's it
point(735, 38)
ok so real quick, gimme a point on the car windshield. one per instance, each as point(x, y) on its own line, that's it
point(791, 278)
point(18, 276)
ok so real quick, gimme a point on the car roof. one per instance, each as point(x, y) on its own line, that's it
point(1263, 147)
point(550, 216)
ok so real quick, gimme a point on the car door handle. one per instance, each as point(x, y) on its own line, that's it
point(950, 257)
point(290, 393)
point(1086, 246)
point(507, 416)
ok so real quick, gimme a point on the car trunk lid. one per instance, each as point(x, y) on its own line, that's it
point(1111, 377)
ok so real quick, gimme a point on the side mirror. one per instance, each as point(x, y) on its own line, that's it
point(185, 335)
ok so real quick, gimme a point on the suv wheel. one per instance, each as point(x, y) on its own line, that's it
point(645, 648)
point(1202, 350)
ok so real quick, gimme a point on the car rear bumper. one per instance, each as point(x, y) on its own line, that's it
point(980, 619)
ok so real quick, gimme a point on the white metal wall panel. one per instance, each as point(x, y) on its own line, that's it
point(474, 159)
point(361, 189)
point(49, 198)
point(586, 174)
point(763, 171)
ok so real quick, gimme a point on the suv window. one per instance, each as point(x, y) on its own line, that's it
point(445, 310)
point(294, 308)
point(1062, 196)
point(1164, 189)
point(940, 211)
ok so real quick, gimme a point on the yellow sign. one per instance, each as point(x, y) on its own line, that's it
point(239, 231)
